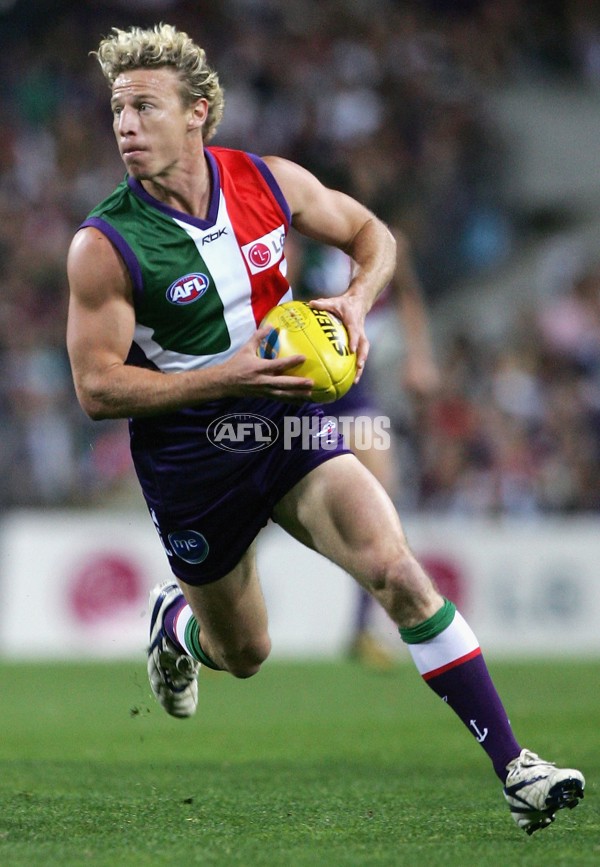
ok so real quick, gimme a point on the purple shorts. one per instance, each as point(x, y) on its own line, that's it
point(212, 477)
point(358, 401)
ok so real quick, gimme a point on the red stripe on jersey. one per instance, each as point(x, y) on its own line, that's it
point(254, 212)
point(461, 659)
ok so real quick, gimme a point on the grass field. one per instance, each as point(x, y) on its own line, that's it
point(307, 764)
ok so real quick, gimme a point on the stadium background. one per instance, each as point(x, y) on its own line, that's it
point(474, 126)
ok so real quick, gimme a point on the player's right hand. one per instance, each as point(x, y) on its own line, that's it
point(246, 374)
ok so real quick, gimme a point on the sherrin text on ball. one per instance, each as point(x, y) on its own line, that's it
point(298, 329)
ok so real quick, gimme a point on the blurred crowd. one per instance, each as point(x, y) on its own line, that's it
point(381, 98)
point(515, 428)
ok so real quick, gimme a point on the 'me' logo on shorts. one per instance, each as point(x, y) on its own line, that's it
point(189, 545)
point(242, 432)
point(187, 289)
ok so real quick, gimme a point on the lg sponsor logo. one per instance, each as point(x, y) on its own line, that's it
point(265, 251)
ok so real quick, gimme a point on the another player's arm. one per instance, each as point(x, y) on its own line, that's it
point(100, 330)
point(331, 217)
point(420, 371)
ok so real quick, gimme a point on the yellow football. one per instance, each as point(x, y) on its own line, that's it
point(297, 329)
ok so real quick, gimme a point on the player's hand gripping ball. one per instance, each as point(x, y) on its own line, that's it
point(297, 329)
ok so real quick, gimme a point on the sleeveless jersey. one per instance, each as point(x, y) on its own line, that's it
point(200, 289)
point(200, 286)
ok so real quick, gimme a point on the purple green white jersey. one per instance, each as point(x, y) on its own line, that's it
point(211, 474)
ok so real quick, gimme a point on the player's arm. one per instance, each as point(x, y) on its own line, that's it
point(331, 217)
point(100, 330)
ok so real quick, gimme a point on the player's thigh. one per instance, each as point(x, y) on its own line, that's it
point(342, 511)
point(231, 612)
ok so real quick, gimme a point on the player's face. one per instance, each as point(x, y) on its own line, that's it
point(150, 122)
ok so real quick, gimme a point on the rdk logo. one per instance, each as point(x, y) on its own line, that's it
point(242, 432)
point(214, 236)
point(187, 289)
point(265, 251)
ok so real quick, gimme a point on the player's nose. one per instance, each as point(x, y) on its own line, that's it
point(127, 121)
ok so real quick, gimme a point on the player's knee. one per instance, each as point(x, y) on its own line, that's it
point(392, 572)
point(405, 577)
point(399, 582)
point(246, 660)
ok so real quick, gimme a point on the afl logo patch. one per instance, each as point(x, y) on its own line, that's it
point(187, 289)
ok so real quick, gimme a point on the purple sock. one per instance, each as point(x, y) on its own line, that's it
point(448, 657)
point(468, 689)
point(170, 618)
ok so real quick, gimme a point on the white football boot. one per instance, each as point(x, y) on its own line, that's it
point(173, 674)
point(536, 789)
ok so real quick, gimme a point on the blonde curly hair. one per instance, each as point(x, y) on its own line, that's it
point(164, 45)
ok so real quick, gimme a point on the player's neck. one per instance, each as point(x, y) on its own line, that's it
point(184, 188)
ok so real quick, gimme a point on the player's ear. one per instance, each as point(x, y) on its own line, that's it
point(198, 114)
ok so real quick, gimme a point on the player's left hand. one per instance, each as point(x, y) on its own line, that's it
point(350, 309)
